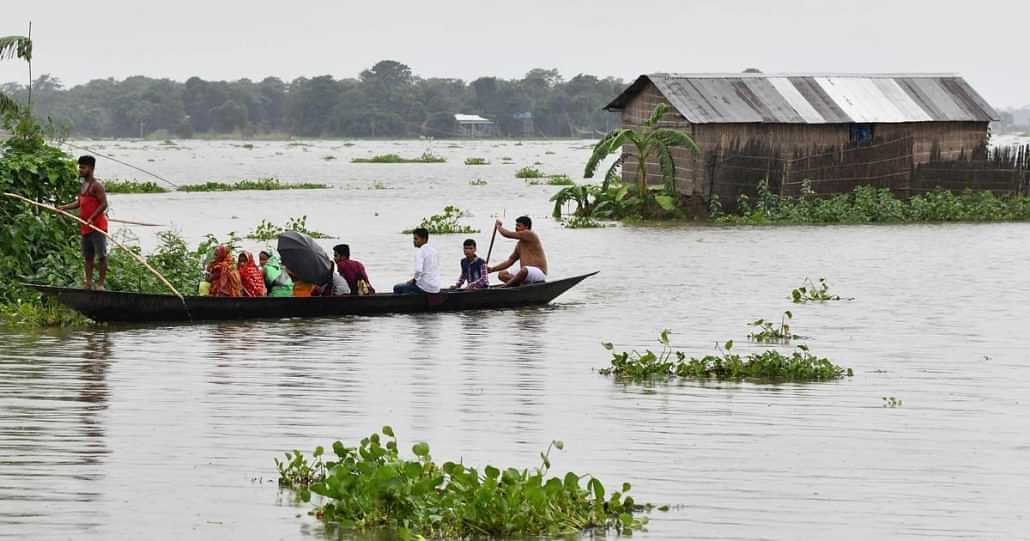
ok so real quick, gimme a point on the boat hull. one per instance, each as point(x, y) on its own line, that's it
point(117, 306)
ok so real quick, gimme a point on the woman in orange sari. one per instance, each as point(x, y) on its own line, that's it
point(223, 276)
point(251, 276)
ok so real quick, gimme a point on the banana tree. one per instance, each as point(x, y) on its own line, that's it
point(13, 47)
point(650, 141)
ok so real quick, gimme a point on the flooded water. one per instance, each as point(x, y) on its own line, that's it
point(168, 432)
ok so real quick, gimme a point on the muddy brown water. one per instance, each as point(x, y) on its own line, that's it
point(168, 432)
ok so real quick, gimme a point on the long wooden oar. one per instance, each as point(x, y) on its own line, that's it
point(490, 251)
point(104, 233)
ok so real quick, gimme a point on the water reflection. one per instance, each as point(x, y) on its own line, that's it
point(53, 396)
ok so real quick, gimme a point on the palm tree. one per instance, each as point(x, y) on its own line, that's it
point(13, 47)
point(650, 141)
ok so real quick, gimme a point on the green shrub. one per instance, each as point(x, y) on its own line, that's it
point(372, 488)
point(476, 161)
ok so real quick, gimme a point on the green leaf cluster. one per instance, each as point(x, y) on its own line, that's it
point(766, 366)
point(267, 231)
point(35, 244)
point(371, 487)
point(810, 292)
point(769, 332)
point(444, 222)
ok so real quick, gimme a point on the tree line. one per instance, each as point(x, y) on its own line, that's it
point(386, 100)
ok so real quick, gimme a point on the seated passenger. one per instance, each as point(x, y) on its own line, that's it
point(277, 281)
point(352, 271)
point(427, 268)
point(222, 275)
point(473, 268)
point(251, 277)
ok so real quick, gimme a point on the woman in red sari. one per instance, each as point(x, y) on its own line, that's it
point(223, 276)
point(251, 276)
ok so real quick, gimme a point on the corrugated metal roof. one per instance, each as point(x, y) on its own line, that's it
point(471, 119)
point(708, 98)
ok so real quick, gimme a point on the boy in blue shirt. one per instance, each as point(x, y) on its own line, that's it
point(473, 268)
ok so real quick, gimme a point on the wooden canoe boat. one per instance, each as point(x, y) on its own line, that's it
point(146, 307)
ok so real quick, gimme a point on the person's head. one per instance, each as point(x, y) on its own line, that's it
point(341, 252)
point(469, 246)
point(241, 260)
point(421, 236)
point(523, 223)
point(263, 257)
point(87, 164)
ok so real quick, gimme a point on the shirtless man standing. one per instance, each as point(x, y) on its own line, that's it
point(529, 252)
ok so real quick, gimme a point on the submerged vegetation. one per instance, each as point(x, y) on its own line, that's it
point(766, 366)
point(445, 222)
point(266, 230)
point(552, 180)
point(372, 487)
point(767, 331)
point(529, 172)
point(869, 205)
point(131, 186)
point(476, 161)
point(261, 184)
point(426, 157)
point(580, 222)
point(809, 292)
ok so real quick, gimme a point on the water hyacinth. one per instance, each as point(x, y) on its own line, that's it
point(372, 487)
point(766, 366)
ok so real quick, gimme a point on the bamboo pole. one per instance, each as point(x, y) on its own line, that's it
point(104, 233)
point(144, 224)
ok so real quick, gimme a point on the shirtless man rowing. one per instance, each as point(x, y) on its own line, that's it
point(529, 252)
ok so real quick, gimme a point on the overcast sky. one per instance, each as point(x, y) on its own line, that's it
point(987, 41)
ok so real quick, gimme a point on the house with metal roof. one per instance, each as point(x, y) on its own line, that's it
point(876, 128)
point(474, 126)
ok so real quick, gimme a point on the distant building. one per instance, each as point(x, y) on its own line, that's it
point(475, 126)
point(833, 131)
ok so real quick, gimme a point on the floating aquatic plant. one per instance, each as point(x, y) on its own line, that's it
point(372, 487)
point(766, 366)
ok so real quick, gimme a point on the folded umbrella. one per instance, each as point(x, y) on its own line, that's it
point(305, 258)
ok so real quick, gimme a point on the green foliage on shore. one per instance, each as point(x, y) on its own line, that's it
point(444, 223)
point(766, 366)
point(261, 184)
point(869, 205)
point(131, 186)
point(372, 488)
point(33, 242)
point(426, 157)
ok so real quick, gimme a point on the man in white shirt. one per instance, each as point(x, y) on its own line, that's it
point(427, 268)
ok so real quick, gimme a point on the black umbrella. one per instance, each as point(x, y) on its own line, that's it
point(305, 259)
